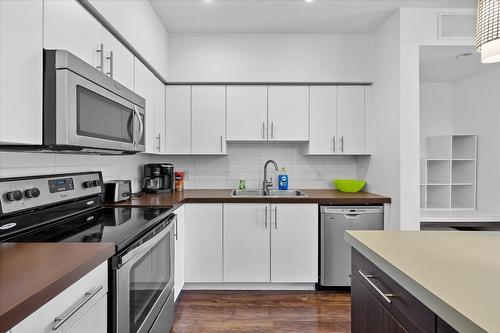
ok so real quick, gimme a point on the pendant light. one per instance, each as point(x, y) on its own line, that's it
point(488, 30)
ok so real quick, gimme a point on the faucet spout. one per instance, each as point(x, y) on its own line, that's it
point(267, 184)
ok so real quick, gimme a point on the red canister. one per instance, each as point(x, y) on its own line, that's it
point(179, 181)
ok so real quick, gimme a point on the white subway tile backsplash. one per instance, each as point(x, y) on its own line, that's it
point(243, 160)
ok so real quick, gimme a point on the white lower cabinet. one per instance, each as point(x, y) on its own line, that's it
point(180, 241)
point(80, 308)
point(246, 243)
point(204, 256)
point(294, 243)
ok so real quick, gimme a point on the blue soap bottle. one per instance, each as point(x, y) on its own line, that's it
point(283, 180)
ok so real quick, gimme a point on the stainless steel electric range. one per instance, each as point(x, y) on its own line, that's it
point(70, 208)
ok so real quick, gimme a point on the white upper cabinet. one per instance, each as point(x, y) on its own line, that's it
point(160, 127)
point(323, 120)
point(288, 113)
point(68, 26)
point(246, 243)
point(208, 131)
point(294, 243)
point(178, 120)
point(204, 249)
point(246, 113)
point(351, 119)
point(145, 87)
point(118, 60)
point(21, 72)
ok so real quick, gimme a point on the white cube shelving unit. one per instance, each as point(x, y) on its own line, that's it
point(448, 174)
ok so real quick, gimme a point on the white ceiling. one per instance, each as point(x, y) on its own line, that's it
point(440, 63)
point(286, 16)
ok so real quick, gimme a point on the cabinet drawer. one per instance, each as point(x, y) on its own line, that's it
point(406, 309)
point(71, 306)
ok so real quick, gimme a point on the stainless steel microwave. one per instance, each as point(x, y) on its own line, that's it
point(84, 110)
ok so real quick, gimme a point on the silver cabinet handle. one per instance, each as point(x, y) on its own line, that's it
point(110, 58)
point(334, 144)
point(265, 219)
point(176, 231)
point(100, 51)
point(221, 150)
point(275, 217)
point(263, 130)
point(367, 278)
point(342, 143)
point(58, 321)
point(158, 142)
point(272, 129)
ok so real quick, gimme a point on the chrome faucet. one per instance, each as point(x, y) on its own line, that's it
point(266, 184)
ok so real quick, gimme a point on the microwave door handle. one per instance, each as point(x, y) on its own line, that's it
point(141, 130)
point(136, 253)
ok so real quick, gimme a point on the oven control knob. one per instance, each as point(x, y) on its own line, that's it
point(88, 184)
point(96, 183)
point(14, 195)
point(32, 193)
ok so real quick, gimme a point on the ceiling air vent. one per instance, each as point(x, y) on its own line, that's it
point(457, 25)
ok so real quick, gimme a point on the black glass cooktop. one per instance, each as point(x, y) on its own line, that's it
point(114, 225)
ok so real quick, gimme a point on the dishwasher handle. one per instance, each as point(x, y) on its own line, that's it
point(352, 216)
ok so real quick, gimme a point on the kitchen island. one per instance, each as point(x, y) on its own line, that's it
point(426, 281)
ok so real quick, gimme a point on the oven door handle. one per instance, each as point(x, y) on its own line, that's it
point(137, 252)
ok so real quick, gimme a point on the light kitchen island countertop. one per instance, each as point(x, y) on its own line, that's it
point(456, 274)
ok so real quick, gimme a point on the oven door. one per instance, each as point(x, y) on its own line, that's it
point(88, 115)
point(144, 282)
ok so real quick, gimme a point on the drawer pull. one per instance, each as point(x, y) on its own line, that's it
point(58, 321)
point(367, 277)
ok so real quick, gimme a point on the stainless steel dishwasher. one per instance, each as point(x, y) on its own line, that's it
point(335, 253)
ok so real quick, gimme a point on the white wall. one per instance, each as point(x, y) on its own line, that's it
point(476, 106)
point(16, 164)
point(383, 119)
point(270, 57)
point(247, 160)
point(436, 112)
point(137, 21)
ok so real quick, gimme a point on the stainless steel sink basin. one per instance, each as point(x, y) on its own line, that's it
point(270, 193)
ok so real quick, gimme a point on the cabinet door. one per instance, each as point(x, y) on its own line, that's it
point(178, 120)
point(203, 258)
point(180, 241)
point(323, 119)
point(119, 61)
point(145, 83)
point(288, 113)
point(368, 315)
point(246, 243)
point(351, 119)
point(21, 72)
point(294, 243)
point(68, 26)
point(159, 117)
point(209, 120)
point(95, 320)
point(246, 113)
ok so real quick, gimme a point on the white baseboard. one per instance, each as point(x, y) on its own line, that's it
point(249, 286)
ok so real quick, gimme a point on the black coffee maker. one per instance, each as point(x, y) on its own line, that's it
point(158, 178)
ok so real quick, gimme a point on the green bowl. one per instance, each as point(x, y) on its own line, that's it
point(349, 185)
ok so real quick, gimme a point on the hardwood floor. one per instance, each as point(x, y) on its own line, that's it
point(263, 311)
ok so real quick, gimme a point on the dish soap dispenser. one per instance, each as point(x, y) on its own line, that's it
point(283, 180)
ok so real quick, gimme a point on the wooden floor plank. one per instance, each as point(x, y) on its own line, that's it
point(263, 311)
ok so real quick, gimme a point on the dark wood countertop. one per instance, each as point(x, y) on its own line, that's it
point(31, 274)
point(326, 196)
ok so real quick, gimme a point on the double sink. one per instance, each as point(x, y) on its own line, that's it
point(268, 193)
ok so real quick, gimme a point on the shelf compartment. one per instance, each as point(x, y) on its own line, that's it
point(439, 147)
point(464, 146)
point(438, 172)
point(438, 197)
point(463, 197)
point(463, 171)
